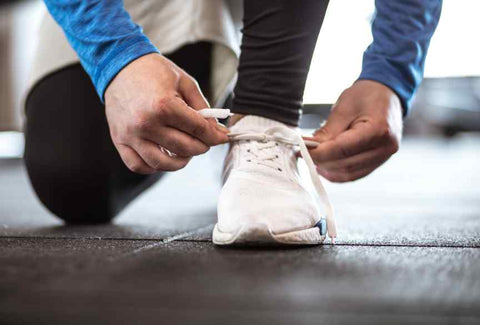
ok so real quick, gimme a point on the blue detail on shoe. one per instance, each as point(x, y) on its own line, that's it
point(322, 226)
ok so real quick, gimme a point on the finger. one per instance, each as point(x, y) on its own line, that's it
point(367, 159)
point(193, 96)
point(342, 177)
point(133, 161)
point(336, 123)
point(157, 159)
point(184, 118)
point(360, 137)
point(181, 143)
point(191, 93)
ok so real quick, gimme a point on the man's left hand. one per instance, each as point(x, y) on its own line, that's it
point(363, 130)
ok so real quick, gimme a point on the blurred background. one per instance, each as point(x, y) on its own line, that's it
point(447, 104)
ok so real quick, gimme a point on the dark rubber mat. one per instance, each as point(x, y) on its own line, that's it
point(136, 282)
point(407, 253)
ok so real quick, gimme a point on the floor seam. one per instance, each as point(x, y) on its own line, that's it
point(91, 238)
point(160, 243)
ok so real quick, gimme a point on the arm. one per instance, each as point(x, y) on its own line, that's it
point(401, 34)
point(103, 35)
point(365, 125)
point(150, 103)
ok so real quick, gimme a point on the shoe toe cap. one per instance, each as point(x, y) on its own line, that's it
point(282, 208)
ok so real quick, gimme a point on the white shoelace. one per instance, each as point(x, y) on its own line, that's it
point(267, 157)
point(261, 147)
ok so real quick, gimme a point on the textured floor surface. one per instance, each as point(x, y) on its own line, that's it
point(408, 253)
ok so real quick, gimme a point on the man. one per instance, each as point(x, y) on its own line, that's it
point(87, 161)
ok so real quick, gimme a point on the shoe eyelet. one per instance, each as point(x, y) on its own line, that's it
point(248, 160)
point(276, 143)
point(248, 150)
point(279, 169)
point(276, 156)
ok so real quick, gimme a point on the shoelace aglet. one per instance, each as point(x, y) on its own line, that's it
point(220, 113)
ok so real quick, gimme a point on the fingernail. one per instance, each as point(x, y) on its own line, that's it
point(222, 128)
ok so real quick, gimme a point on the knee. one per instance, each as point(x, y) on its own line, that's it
point(74, 194)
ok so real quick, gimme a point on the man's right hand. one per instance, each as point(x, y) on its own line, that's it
point(152, 104)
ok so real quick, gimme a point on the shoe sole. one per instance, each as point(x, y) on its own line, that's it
point(260, 234)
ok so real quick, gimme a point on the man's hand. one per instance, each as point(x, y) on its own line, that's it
point(151, 104)
point(363, 130)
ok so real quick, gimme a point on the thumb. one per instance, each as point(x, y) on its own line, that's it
point(191, 93)
point(335, 124)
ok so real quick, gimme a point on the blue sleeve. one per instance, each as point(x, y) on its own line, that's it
point(401, 35)
point(103, 35)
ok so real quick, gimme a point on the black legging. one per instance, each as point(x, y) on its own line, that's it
point(279, 37)
point(70, 158)
point(73, 166)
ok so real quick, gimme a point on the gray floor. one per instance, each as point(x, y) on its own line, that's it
point(408, 252)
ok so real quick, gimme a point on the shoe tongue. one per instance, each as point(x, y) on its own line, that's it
point(255, 124)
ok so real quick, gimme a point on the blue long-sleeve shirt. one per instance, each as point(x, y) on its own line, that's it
point(106, 40)
point(103, 35)
point(401, 34)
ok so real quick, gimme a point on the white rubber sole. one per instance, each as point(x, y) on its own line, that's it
point(260, 234)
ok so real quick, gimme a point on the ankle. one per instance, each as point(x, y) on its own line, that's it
point(234, 119)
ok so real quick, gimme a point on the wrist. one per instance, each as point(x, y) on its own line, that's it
point(118, 60)
point(386, 91)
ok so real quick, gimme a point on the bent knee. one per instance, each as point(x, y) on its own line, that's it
point(72, 194)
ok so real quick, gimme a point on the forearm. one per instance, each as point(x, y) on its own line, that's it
point(401, 35)
point(103, 35)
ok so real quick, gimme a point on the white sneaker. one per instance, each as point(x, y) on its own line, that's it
point(262, 200)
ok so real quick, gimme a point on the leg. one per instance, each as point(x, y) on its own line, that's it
point(263, 200)
point(71, 161)
point(279, 37)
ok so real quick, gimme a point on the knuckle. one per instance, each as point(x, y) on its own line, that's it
point(158, 166)
point(152, 160)
point(182, 164)
point(384, 133)
point(394, 146)
point(161, 106)
point(343, 152)
point(386, 136)
point(140, 122)
point(185, 150)
point(192, 148)
point(136, 168)
point(174, 146)
point(116, 136)
point(349, 169)
point(203, 149)
point(191, 82)
point(199, 130)
point(188, 151)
